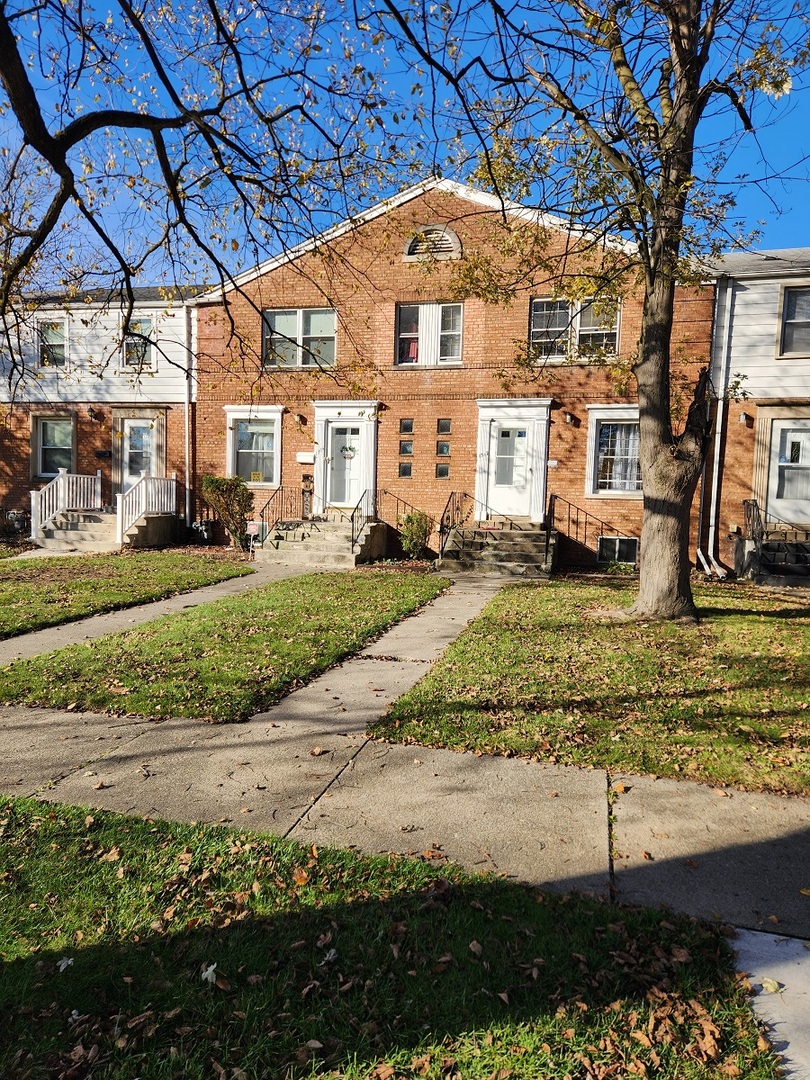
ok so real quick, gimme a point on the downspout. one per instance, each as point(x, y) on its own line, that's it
point(724, 341)
point(189, 344)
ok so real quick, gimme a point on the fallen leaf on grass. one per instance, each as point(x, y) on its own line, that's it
point(300, 876)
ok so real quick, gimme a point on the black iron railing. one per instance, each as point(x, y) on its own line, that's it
point(285, 504)
point(462, 508)
point(363, 513)
point(758, 528)
point(580, 525)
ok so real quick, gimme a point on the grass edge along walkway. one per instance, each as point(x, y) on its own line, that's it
point(225, 660)
point(540, 674)
point(36, 594)
point(143, 948)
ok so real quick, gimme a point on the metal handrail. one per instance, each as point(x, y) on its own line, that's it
point(459, 508)
point(401, 508)
point(579, 520)
point(363, 513)
point(757, 527)
point(285, 504)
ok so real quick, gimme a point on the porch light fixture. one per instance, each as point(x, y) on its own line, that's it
point(747, 419)
point(94, 414)
point(570, 418)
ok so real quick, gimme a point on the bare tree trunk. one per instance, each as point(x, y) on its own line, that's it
point(670, 467)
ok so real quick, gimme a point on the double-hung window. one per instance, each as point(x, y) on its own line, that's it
point(299, 337)
point(613, 443)
point(254, 443)
point(52, 343)
point(796, 322)
point(558, 329)
point(429, 334)
point(54, 445)
point(138, 345)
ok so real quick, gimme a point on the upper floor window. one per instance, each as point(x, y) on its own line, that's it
point(429, 334)
point(796, 322)
point(302, 337)
point(138, 345)
point(557, 329)
point(432, 242)
point(52, 343)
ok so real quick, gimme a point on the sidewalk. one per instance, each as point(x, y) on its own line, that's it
point(305, 769)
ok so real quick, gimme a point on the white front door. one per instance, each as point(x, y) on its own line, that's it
point(509, 458)
point(137, 451)
point(345, 465)
point(789, 480)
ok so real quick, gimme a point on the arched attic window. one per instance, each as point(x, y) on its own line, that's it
point(432, 242)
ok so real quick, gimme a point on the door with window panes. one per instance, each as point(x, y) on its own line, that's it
point(509, 477)
point(789, 481)
point(345, 465)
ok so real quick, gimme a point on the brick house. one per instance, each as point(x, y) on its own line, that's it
point(761, 449)
point(100, 408)
point(352, 361)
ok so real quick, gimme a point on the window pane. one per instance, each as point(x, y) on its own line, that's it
point(281, 338)
point(442, 449)
point(451, 318)
point(617, 464)
point(319, 338)
point(442, 472)
point(550, 321)
point(796, 334)
point(255, 450)
point(137, 350)
point(52, 344)
point(597, 331)
point(56, 446)
point(406, 427)
point(443, 426)
point(405, 469)
point(405, 446)
point(408, 336)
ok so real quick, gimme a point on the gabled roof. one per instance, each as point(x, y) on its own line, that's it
point(142, 294)
point(484, 199)
point(762, 264)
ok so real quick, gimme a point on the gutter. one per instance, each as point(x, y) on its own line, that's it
point(724, 290)
point(189, 344)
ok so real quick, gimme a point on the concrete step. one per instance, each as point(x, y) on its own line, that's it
point(298, 555)
point(50, 543)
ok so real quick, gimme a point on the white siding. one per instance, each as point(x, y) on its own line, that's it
point(750, 313)
point(94, 370)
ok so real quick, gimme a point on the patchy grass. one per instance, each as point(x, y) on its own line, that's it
point(226, 660)
point(538, 675)
point(144, 949)
point(35, 593)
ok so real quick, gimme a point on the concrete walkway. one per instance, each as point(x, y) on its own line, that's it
point(305, 769)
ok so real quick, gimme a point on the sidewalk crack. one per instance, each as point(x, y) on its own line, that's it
point(317, 798)
point(610, 796)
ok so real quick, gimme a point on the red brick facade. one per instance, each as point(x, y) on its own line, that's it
point(364, 277)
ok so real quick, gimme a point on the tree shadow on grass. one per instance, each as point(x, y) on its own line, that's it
point(476, 972)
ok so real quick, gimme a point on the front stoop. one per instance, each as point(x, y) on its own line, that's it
point(323, 544)
point(94, 531)
point(527, 552)
point(782, 562)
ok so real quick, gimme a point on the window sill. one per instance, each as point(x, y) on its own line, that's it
point(429, 367)
point(636, 496)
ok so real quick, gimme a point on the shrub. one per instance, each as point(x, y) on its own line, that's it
point(414, 531)
point(232, 502)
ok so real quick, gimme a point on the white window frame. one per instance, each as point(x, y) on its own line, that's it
point(37, 447)
point(781, 351)
point(135, 341)
point(264, 413)
point(301, 355)
point(598, 415)
point(573, 333)
point(429, 336)
point(42, 321)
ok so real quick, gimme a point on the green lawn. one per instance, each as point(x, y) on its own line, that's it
point(226, 660)
point(539, 675)
point(40, 592)
point(143, 949)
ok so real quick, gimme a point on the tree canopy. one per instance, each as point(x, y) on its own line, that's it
point(619, 114)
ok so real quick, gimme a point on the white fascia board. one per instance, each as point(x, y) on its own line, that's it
point(451, 187)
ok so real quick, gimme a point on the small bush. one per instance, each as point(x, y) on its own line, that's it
point(414, 532)
point(230, 499)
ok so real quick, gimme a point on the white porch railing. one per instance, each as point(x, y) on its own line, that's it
point(150, 495)
point(67, 491)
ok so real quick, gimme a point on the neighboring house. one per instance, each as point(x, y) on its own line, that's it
point(105, 406)
point(761, 448)
point(351, 364)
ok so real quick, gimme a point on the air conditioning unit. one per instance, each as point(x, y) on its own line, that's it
point(617, 549)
